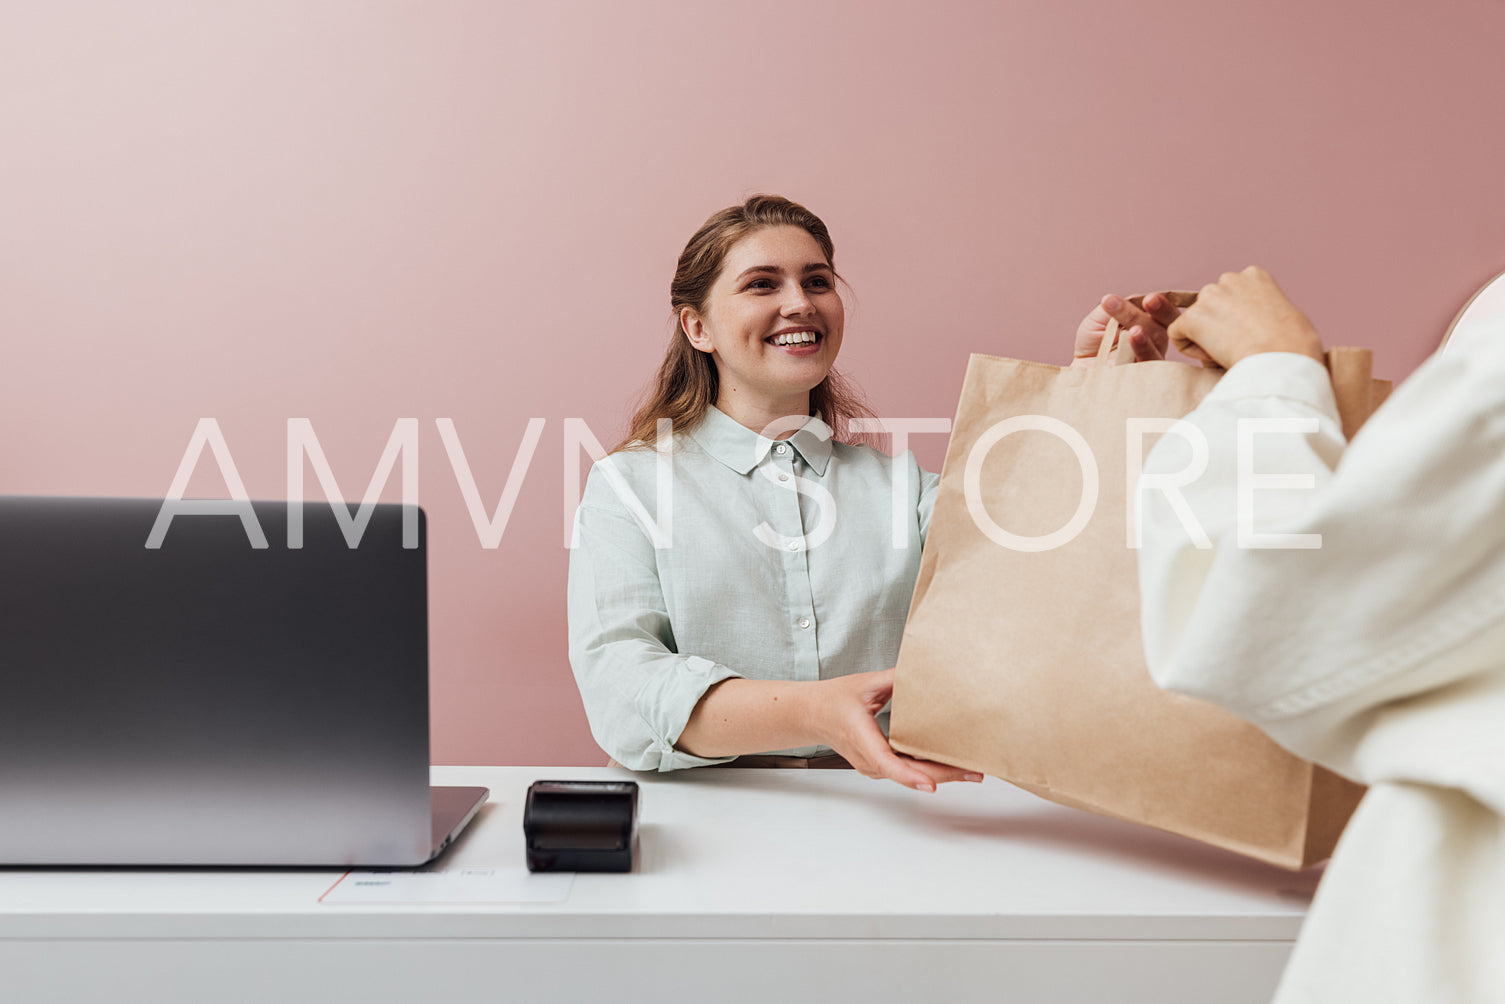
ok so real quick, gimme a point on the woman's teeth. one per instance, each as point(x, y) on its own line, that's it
point(796, 338)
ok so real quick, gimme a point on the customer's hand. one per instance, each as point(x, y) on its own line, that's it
point(1242, 314)
point(1145, 329)
point(844, 712)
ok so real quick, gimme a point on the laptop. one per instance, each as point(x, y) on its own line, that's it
point(210, 702)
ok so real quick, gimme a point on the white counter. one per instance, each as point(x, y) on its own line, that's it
point(751, 885)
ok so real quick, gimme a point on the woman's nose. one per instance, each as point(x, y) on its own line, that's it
point(796, 301)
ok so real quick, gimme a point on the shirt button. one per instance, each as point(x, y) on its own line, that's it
point(783, 477)
point(794, 545)
point(781, 449)
point(804, 622)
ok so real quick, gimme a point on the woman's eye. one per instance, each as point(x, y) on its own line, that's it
point(820, 282)
point(760, 284)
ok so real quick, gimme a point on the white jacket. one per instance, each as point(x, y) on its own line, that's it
point(1379, 653)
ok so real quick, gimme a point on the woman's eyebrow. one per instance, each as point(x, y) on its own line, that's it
point(815, 266)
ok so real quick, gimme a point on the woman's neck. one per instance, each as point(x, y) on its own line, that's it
point(781, 418)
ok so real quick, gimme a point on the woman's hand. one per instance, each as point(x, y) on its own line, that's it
point(1145, 329)
point(1242, 314)
point(844, 719)
point(739, 716)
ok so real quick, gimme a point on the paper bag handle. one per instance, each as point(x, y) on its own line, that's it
point(1358, 394)
point(1178, 297)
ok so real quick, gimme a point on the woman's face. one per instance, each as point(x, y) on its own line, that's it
point(772, 323)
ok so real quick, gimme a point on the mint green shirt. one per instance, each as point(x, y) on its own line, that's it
point(771, 560)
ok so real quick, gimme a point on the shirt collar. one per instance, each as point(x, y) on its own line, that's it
point(741, 449)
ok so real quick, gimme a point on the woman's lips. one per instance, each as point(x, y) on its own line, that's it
point(793, 341)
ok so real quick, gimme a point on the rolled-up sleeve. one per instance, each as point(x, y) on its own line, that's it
point(637, 689)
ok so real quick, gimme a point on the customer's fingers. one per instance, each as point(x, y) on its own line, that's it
point(1125, 313)
point(1146, 348)
point(1152, 338)
point(1184, 337)
point(1158, 306)
point(1089, 334)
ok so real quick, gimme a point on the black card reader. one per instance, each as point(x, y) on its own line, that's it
point(581, 826)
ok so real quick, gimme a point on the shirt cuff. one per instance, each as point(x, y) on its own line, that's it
point(666, 703)
point(1278, 374)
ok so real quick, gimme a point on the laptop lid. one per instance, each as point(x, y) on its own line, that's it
point(207, 701)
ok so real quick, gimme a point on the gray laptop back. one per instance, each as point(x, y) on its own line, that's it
point(207, 701)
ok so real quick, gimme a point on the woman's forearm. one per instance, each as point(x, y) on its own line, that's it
point(741, 716)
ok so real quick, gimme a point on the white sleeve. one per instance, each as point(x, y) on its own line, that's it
point(1404, 595)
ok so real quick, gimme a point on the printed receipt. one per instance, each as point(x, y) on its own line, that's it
point(462, 885)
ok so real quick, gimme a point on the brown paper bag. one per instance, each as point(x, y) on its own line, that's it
point(1028, 664)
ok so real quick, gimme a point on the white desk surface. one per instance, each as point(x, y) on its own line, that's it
point(751, 886)
point(738, 853)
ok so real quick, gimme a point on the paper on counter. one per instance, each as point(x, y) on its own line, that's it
point(461, 885)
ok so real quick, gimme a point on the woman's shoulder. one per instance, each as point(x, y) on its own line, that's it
point(642, 453)
point(640, 461)
point(861, 454)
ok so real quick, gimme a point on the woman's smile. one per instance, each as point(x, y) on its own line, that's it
point(796, 341)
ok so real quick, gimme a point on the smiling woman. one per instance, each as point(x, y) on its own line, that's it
point(772, 325)
point(762, 610)
point(689, 381)
point(763, 617)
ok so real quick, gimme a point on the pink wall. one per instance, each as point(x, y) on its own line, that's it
point(360, 210)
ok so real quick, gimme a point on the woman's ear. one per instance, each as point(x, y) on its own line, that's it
point(694, 329)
